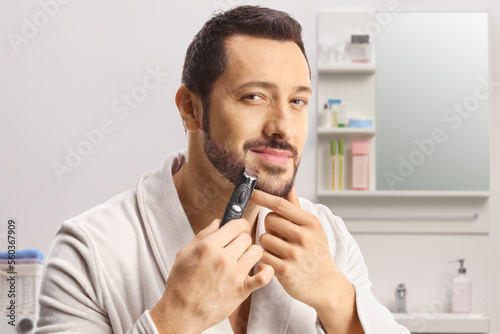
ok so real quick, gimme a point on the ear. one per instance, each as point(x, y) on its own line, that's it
point(190, 108)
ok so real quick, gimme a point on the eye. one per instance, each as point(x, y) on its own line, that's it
point(252, 97)
point(299, 102)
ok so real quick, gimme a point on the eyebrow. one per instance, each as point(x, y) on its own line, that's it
point(270, 85)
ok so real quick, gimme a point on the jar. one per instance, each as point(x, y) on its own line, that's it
point(360, 49)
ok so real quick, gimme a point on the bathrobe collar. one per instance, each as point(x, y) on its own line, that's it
point(168, 230)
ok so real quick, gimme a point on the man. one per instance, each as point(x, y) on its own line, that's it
point(154, 260)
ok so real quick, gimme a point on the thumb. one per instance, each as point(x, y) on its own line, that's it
point(211, 228)
point(262, 278)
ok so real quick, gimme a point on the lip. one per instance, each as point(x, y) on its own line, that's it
point(274, 157)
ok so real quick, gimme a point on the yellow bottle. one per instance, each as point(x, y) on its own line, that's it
point(333, 153)
point(341, 163)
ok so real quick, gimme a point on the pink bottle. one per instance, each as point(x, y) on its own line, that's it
point(360, 179)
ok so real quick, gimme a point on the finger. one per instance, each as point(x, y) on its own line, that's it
point(281, 227)
point(274, 261)
point(276, 246)
point(249, 259)
point(262, 278)
point(292, 196)
point(228, 232)
point(261, 267)
point(211, 228)
point(239, 245)
point(282, 207)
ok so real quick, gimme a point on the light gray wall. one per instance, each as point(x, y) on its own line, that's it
point(69, 74)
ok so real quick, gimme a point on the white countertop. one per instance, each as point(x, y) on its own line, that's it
point(443, 322)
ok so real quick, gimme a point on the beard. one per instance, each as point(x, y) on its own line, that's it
point(230, 164)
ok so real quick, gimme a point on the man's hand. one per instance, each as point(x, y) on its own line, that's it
point(209, 279)
point(297, 248)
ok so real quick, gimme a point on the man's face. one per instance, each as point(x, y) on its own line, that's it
point(258, 112)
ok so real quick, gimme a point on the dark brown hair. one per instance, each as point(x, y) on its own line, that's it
point(206, 57)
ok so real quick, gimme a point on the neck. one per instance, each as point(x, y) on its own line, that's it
point(204, 193)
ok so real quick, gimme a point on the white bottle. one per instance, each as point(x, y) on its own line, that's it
point(326, 117)
point(461, 298)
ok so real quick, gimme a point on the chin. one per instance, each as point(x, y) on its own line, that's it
point(274, 187)
point(275, 180)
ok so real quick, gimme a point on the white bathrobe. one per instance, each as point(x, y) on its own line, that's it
point(108, 266)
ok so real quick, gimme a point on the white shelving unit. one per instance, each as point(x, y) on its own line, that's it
point(323, 131)
point(372, 210)
point(352, 83)
point(347, 68)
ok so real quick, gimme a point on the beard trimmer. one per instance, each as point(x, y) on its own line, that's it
point(240, 197)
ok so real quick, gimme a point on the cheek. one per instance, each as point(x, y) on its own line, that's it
point(301, 127)
point(220, 122)
point(234, 128)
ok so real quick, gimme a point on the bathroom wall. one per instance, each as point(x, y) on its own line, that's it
point(71, 139)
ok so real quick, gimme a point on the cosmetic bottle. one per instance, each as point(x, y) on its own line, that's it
point(339, 53)
point(333, 154)
point(331, 53)
point(334, 105)
point(341, 165)
point(360, 49)
point(323, 56)
point(341, 116)
point(360, 165)
point(461, 297)
point(326, 116)
point(400, 294)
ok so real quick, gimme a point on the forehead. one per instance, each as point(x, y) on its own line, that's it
point(262, 58)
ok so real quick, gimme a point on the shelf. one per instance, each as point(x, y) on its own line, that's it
point(443, 322)
point(407, 216)
point(346, 131)
point(378, 210)
point(401, 193)
point(347, 68)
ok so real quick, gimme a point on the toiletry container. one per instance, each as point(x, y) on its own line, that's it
point(461, 297)
point(339, 53)
point(341, 116)
point(331, 53)
point(340, 168)
point(326, 116)
point(360, 49)
point(360, 165)
point(359, 122)
point(333, 154)
point(334, 107)
point(400, 294)
point(323, 56)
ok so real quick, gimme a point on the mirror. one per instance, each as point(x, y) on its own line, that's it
point(432, 92)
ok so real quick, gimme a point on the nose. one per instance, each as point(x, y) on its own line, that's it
point(280, 123)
